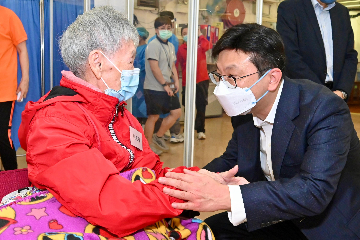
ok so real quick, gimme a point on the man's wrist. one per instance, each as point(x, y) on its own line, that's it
point(164, 85)
point(224, 198)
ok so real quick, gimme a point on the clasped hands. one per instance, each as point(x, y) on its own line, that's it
point(202, 191)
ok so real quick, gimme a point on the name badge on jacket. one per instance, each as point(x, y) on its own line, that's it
point(136, 138)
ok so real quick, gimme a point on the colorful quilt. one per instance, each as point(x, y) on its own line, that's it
point(31, 213)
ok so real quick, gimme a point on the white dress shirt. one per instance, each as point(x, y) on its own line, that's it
point(238, 214)
point(324, 21)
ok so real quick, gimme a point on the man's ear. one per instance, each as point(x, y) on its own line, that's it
point(95, 63)
point(275, 79)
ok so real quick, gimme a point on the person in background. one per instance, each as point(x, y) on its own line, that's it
point(175, 135)
point(202, 79)
point(138, 101)
point(297, 162)
point(173, 39)
point(319, 43)
point(160, 91)
point(12, 42)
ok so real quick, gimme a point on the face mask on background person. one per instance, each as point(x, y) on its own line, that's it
point(237, 101)
point(129, 83)
point(185, 38)
point(327, 1)
point(165, 34)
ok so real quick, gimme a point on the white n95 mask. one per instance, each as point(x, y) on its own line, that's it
point(237, 101)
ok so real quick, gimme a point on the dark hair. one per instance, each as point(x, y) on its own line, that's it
point(160, 21)
point(186, 26)
point(135, 21)
point(167, 14)
point(264, 45)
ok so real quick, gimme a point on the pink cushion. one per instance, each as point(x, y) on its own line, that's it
point(13, 180)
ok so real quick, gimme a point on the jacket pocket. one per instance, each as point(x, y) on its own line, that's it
point(354, 224)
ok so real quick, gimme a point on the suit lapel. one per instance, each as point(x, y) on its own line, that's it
point(310, 12)
point(283, 125)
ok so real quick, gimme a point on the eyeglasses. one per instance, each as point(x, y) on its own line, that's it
point(229, 81)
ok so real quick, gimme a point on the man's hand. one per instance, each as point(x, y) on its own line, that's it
point(201, 191)
point(23, 87)
point(339, 93)
point(176, 86)
point(226, 178)
point(215, 176)
point(230, 179)
point(169, 91)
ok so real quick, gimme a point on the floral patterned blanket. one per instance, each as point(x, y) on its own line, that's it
point(31, 213)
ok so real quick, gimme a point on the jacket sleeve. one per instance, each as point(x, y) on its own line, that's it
point(348, 71)
point(287, 28)
point(61, 159)
point(310, 189)
point(204, 43)
point(226, 161)
point(179, 59)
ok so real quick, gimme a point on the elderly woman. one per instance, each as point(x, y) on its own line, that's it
point(79, 136)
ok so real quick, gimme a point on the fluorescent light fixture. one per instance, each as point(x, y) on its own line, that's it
point(350, 2)
point(352, 6)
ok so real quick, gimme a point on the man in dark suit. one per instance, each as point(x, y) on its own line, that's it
point(291, 173)
point(319, 43)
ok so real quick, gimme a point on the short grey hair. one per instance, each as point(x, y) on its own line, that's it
point(101, 28)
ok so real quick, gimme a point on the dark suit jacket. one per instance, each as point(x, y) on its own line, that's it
point(316, 163)
point(304, 47)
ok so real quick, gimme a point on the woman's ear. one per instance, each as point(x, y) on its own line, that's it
point(275, 79)
point(95, 63)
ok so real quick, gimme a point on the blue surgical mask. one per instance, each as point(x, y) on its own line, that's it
point(165, 34)
point(327, 1)
point(185, 38)
point(129, 83)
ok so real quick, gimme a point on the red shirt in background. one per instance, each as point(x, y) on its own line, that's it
point(201, 73)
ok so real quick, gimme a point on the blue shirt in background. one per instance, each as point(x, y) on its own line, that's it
point(138, 101)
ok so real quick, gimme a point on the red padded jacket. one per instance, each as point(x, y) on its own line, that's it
point(71, 152)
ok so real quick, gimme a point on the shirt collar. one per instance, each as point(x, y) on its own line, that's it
point(160, 40)
point(271, 116)
point(315, 4)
